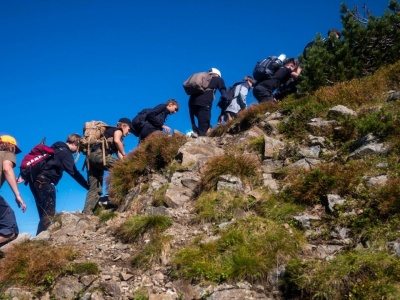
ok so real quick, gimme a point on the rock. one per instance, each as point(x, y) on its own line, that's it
point(334, 200)
point(340, 110)
point(229, 182)
point(272, 147)
point(305, 163)
point(196, 152)
point(377, 181)
point(271, 166)
point(305, 220)
point(67, 288)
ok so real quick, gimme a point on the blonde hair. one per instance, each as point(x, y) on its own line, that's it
point(7, 147)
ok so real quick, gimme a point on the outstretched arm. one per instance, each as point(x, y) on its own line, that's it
point(8, 170)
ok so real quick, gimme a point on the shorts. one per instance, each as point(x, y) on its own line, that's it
point(8, 222)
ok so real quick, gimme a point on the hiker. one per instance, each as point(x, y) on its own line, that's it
point(333, 34)
point(236, 96)
point(288, 87)
point(8, 223)
point(200, 105)
point(43, 187)
point(156, 117)
point(97, 164)
point(264, 90)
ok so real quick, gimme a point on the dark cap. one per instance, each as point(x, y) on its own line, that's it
point(126, 121)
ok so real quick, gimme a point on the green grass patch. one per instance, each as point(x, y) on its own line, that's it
point(221, 206)
point(352, 275)
point(134, 227)
point(246, 250)
point(151, 252)
point(106, 215)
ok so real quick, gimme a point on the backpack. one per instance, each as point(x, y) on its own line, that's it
point(197, 83)
point(266, 68)
point(223, 103)
point(139, 121)
point(33, 162)
point(93, 132)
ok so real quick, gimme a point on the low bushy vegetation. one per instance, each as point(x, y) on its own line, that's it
point(245, 167)
point(151, 251)
point(249, 249)
point(34, 264)
point(311, 187)
point(134, 227)
point(357, 94)
point(154, 154)
point(221, 206)
point(245, 119)
point(351, 275)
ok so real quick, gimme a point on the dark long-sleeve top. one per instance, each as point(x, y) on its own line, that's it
point(62, 161)
point(206, 99)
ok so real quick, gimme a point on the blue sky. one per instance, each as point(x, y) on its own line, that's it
point(67, 62)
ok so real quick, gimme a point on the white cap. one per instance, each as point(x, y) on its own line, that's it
point(215, 71)
point(282, 57)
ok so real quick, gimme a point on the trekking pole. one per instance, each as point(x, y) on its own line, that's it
point(43, 142)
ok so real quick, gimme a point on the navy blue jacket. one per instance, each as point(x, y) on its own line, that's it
point(155, 119)
point(62, 161)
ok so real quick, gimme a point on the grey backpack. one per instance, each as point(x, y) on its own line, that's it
point(197, 83)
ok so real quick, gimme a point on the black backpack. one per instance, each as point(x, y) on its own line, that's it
point(266, 68)
point(139, 121)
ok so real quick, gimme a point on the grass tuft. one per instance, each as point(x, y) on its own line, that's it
point(246, 167)
point(134, 227)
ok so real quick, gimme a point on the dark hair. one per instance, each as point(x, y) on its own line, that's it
point(335, 31)
point(289, 60)
point(249, 78)
point(173, 102)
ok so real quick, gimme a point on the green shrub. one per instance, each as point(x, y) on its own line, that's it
point(154, 154)
point(311, 187)
point(352, 275)
point(246, 250)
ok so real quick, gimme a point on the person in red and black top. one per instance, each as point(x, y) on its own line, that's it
point(156, 118)
point(264, 90)
point(44, 187)
point(200, 105)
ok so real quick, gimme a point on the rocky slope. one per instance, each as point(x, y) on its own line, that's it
point(96, 242)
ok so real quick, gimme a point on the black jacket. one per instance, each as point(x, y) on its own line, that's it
point(155, 119)
point(62, 161)
point(206, 99)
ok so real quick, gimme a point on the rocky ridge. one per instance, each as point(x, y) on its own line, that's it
point(96, 242)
